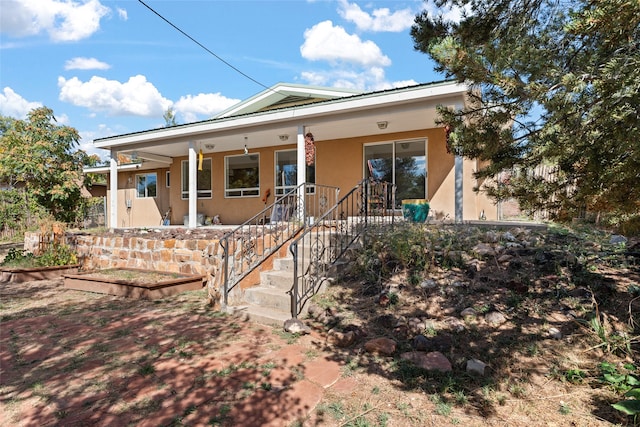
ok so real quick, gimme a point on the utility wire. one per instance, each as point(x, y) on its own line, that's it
point(202, 46)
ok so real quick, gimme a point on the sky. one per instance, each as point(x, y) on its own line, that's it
point(110, 67)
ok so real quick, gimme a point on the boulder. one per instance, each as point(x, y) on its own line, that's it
point(433, 361)
point(341, 339)
point(476, 366)
point(495, 318)
point(384, 346)
point(296, 326)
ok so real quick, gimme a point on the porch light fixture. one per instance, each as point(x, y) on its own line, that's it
point(283, 137)
point(246, 150)
point(382, 125)
point(209, 146)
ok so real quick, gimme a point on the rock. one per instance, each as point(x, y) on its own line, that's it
point(341, 339)
point(417, 328)
point(401, 331)
point(483, 250)
point(468, 312)
point(295, 326)
point(476, 366)
point(433, 361)
point(495, 318)
point(491, 237)
point(555, 333)
point(420, 343)
point(428, 284)
point(617, 239)
point(508, 237)
point(454, 324)
point(384, 346)
point(358, 331)
point(505, 258)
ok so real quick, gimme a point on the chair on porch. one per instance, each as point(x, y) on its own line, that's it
point(283, 210)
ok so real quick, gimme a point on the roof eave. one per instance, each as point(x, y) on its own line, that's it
point(333, 106)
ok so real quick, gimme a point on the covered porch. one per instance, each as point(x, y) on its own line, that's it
point(228, 168)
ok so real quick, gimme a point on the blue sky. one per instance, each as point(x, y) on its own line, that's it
point(113, 67)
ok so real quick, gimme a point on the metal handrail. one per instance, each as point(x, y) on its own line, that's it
point(322, 244)
point(251, 243)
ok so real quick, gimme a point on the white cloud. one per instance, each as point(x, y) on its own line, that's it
point(62, 119)
point(379, 20)
point(136, 97)
point(202, 106)
point(80, 63)
point(14, 105)
point(326, 42)
point(122, 13)
point(63, 20)
point(87, 137)
point(453, 13)
point(371, 79)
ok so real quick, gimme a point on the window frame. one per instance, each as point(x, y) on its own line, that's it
point(146, 188)
point(244, 192)
point(200, 194)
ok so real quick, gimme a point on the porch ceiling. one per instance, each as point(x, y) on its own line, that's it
point(339, 120)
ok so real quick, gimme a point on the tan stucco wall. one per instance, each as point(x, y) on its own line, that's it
point(338, 163)
point(144, 212)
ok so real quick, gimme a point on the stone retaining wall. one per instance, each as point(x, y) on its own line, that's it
point(169, 255)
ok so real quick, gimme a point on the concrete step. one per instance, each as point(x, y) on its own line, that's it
point(277, 279)
point(268, 297)
point(258, 314)
point(284, 264)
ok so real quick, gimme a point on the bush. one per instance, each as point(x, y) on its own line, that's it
point(55, 255)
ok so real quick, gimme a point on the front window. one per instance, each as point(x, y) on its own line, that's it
point(203, 177)
point(402, 163)
point(242, 175)
point(146, 185)
point(287, 172)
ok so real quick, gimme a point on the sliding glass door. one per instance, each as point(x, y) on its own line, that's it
point(402, 163)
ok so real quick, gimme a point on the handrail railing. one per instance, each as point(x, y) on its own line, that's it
point(325, 242)
point(250, 244)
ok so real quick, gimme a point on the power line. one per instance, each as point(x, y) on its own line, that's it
point(202, 46)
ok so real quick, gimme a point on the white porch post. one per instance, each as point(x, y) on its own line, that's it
point(113, 193)
point(302, 172)
point(193, 185)
point(458, 188)
point(459, 178)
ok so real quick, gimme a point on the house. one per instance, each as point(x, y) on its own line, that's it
point(232, 165)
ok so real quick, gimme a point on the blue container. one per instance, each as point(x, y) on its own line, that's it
point(415, 210)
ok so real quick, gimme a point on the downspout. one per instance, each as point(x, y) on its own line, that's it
point(193, 185)
point(113, 186)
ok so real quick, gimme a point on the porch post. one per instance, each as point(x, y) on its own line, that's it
point(193, 185)
point(459, 178)
point(113, 187)
point(458, 188)
point(302, 173)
